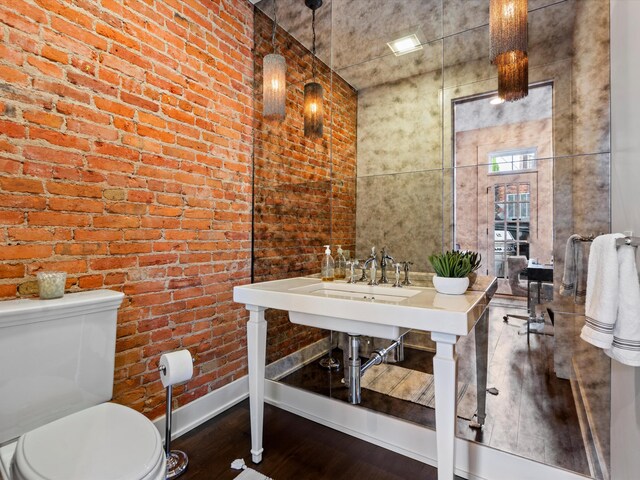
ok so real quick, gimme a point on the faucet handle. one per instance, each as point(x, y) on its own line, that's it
point(405, 266)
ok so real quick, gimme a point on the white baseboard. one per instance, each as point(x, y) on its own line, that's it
point(204, 408)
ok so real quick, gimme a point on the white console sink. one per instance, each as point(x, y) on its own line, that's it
point(380, 311)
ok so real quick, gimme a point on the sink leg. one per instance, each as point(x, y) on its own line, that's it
point(482, 358)
point(354, 369)
point(446, 386)
point(256, 349)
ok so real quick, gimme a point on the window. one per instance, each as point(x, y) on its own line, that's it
point(512, 161)
point(518, 206)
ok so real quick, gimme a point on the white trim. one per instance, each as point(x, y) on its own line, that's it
point(204, 408)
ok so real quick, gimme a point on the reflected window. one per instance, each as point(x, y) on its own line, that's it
point(512, 160)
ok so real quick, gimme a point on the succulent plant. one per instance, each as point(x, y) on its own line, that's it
point(453, 264)
point(475, 259)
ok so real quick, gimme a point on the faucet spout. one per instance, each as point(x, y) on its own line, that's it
point(372, 264)
point(383, 264)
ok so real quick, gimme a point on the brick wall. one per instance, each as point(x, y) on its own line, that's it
point(304, 190)
point(125, 160)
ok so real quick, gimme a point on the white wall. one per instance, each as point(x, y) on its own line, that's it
point(625, 215)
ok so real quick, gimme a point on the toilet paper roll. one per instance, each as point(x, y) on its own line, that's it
point(178, 367)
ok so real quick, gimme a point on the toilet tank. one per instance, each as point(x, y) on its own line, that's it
point(56, 357)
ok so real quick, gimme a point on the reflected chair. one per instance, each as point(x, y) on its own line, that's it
point(517, 265)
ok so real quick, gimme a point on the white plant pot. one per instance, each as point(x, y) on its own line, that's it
point(451, 286)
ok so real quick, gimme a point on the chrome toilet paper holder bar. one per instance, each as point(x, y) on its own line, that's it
point(177, 460)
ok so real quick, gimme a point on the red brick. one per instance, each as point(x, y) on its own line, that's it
point(58, 219)
point(139, 101)
point(76, 205)
point(112, 263)
point(16, 252)
point(12, 129)
point(73, 190)
point(22, 201)
point(114, 107)
point(43, 118)
point(13, 75)
point(116, 221)
point(8, 270)
point(46, 67)
point(85, 36)
point(11, 218)
point(54, 54)
point(78, 249)
point(57, 138)
point(8, 291)
point(45, 154)
point(26, 185)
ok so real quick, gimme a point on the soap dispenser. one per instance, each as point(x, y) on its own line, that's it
point(327, 272)
point(341, 264)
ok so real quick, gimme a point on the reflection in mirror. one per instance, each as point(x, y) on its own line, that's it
point(411, 160)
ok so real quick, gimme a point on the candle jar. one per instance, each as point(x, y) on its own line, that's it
point(51, 284)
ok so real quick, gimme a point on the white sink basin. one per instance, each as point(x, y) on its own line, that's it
point(352, 292)
point(363, 293)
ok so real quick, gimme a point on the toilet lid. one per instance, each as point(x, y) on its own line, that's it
point(105, 442)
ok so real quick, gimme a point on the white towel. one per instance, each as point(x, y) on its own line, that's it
point(626, 333)
point(601, 309)
point(573, 277)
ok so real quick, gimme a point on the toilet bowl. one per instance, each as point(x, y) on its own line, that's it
point(104, 442)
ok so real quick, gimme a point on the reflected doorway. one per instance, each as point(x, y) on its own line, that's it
point(504, 183)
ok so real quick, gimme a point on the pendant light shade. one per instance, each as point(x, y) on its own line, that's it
point(507, 28)
point(513, 78)
point(508, 47)
point(274, 87)
point(313, 110)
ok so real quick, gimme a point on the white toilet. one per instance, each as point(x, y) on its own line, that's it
point(56, 373)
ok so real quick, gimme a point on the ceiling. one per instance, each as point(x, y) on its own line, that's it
point(452, 32)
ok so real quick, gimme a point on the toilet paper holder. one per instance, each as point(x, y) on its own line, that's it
point(177, 460)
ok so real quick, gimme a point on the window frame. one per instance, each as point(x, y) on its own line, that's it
point(512, 153)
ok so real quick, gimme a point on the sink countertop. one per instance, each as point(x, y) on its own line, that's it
point(420, 307)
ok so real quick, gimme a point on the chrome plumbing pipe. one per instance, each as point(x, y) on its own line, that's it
point(354, 369)
point(378, 356)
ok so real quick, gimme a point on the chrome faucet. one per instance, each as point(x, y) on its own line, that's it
point(372, 263)
point(383, 264)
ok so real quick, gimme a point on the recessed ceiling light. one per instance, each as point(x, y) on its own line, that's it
point(404, 45)
point(496, 101)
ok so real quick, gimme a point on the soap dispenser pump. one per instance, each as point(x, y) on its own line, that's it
point(341, 264)
point(327, 272)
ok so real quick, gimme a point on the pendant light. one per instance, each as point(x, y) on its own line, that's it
point(274, 80)
point(313, 102)
point(508, 47)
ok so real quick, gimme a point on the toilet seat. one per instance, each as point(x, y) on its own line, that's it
point(104, 442)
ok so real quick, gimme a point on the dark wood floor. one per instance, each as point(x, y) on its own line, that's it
point(295, 449)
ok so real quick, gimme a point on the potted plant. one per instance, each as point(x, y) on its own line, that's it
point(452, 272)
point(475, 259)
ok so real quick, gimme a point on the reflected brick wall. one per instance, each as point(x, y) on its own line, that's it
point(304, 191)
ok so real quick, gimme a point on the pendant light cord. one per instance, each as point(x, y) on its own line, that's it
point(275, 23)
point(313, 51)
